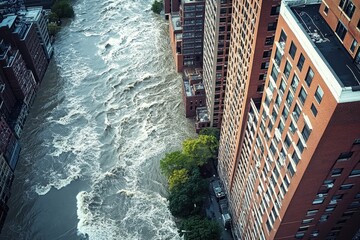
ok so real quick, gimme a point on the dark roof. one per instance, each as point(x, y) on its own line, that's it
point(328, 44)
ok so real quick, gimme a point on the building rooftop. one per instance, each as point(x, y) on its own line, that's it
point(30, 14)
point(327, 44)
point(191, 1)
point(175, 21)
point(202, 114)
point(8, 21)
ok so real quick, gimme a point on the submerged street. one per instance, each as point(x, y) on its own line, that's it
point(108, 110)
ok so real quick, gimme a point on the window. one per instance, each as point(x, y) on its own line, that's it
point(282, 87)
point(314, 110)
point(278, 101)
point(326, 10)
point(296, 113)
point(319, 94)
point(312, 212)
point(306, 132)
point(353, 45)
point(262, 77)
point(281, 126)
point(285, 113)
point(266, 54)
point(341, 30)
point(319, 199)
point(290, 170)
point(355, 173)
point(337, 197)
point(346, 186)
point(274, 73)
point(294, 83)
point(275, 10)
point(301, 61)
point(302, 95)
point(289, 98)
point(306, 221)
point(324, 218)
point(300, 146)
point(292, 50)
point(277, 57)
point(272, 26)
point(283, 36)
point(287, 70)
point(330, 209)
point(309, 77)
point(269, 41)
point(295, 158)
point(336, 172)
point(292, 127)
point(265, 65)
point(287, 141)
point(260, 88)
point(345, 155)
point(358, 25)
point(357, 141)
point(348, 7)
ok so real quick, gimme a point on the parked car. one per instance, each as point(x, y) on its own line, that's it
point(219, 193)
point(223, 204)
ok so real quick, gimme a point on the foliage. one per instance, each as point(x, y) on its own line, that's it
point(157, 6)
point(63, 9)
point(53, 17)
point(178, 177)
point(201, 149)
point(187, 198)
point(53, 28)
point(211, 131)
point(197, 228)
point(174, 161)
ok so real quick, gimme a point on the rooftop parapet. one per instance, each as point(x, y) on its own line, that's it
point(330, 58)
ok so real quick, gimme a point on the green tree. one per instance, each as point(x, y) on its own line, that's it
point(53, 17)
point(197, 228)
point(63, 9)
point(175, 161)
point(211, 131)
point(157, 6)
point(178, 177)
point(201, 149)
point(187, 198)
point(53, 28)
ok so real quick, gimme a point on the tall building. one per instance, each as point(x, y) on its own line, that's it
point(36, 15)
point(252, 35)
point(296, 174)
point(186, 34)
point(216, 49)
point(22, 34)
point(6, 179)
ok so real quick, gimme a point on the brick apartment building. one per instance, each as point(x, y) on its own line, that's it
point(295, 171)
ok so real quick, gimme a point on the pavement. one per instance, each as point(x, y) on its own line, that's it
point(213, 211)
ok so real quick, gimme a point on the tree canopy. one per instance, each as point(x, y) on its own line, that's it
point(178, 177)
point(201, 149)
point(175, 161)
point(197, 228)
point(187, 198)
point(63, 9)
point(210, 131)
point(157, 6)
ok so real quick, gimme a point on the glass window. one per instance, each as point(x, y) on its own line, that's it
point(302, 95)
point(277, 57)
point(289, 98)
point(282, 87)
point(300, 146)
point(295, 158)
point(326, 10)
point(345, 155)
point(309, 76)
point(353, 45)
point(292, 50)
point(348, 7)
point(285, 113)
point(319, 94)
point(274, 73)
point(287, 142)
point(312, 212)
point(287, 70)
point(301, 61)
point(314, 110)
point(283, 36)
point(355, 173)
point(346, 186)
point(306, 132)
point(281, 126)
point(297, 112)
point(290, 170)
point(341, 30)
point(278, 101)
point(294, 82)
point(336, 172)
